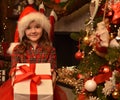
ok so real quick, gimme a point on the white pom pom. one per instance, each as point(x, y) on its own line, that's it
point(90, 85)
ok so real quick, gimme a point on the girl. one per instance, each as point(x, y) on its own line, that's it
point(34, 46)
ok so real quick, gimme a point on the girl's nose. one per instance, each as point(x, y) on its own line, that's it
point(33, 30)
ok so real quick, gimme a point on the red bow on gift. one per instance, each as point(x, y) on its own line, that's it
point(29, 73)
point(100, 78)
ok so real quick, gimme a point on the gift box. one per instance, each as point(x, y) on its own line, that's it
point(33, 82)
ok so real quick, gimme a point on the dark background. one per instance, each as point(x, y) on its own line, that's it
point(65, 49)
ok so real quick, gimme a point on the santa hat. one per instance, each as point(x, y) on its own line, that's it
point(29, 14)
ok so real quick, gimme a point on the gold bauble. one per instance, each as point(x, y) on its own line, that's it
point(86, 40)
point(115, 94)
point(111, 36)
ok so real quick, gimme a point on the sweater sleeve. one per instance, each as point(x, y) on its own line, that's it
point(14, 60)
point(52, 58)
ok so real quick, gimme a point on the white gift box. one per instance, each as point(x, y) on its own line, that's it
point(44, 90)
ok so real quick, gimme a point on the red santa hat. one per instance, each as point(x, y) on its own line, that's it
point(28, 14)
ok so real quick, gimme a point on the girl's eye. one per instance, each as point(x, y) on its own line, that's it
point(28, 27)
point(37, 26)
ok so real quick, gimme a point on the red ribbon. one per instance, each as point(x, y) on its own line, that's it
point(100, 78)
point(29, 73)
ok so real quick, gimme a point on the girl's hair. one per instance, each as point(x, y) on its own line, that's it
point(44, 41)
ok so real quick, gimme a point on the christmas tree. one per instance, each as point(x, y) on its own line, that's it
point(97, 76)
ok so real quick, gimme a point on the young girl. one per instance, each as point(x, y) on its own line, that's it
point(34, 46)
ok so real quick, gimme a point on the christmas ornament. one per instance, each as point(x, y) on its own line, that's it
point(105, 69)
point(111, 36)
point(114, 43)
point(100, 49)
point(110, 13)
point(100, 39)
point(116, 16)
point(102, 34)
point(79, 76)
point(41, 8)
point(115, 94)
point(53, 19)
point(94, 5)
point(90, 85)
point(93, 98)
point(118, 35)
point(98, 52)
point(108, 88)
point(81, 96)
point(79, 55)
point(86, 40)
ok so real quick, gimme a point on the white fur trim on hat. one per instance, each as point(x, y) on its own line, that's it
point(36, 16)
point(12, 45)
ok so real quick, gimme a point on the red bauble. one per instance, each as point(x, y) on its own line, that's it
point(110, 13)
point(105, 69)
point(78, 55)
point(79, 76)
point(90, 85)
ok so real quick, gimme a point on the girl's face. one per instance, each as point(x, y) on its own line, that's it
point(34, 32)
